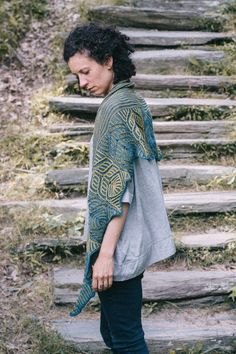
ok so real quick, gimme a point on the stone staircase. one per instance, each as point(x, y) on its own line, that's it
point(193, 119)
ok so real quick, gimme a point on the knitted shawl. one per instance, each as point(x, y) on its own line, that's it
point(123, 132)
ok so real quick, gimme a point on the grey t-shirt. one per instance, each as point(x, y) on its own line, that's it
point(146, 237)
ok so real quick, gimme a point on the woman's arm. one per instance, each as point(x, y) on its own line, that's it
point(104, 266)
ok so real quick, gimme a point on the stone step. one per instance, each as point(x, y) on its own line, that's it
point(176, 82)
point(171, 175)
point(212, 239)
point(160, 107)
point(155, 38)
point(163, 333)
point(158, 18)
point(175, 149)
point(163, 130)
point(157, 286)
point(169, 61)
point(200, 5)
point(176, 203)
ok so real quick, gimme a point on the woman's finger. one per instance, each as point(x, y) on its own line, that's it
point(105, 284)
point(95, 283)
point(110, 281)
point(100, 283)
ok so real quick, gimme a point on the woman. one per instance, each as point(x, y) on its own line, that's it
point(126, 226)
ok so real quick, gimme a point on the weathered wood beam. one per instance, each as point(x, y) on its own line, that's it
point(160, 107)
point(162, 335)
point(176, 203)
point(163, 130)
point(157, 286)
point(161, 19)
point(156, 38)
point(171, 175)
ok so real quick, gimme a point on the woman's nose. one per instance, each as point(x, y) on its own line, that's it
point(83, 82)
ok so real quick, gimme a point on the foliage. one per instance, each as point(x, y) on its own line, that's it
point(213, 152)
point(30, 263)
point(40, 98)
point(27, 186)
point(226, 66)
point(206, 256)
point(193, 223)
point(36, 337)
point(25, 152)
point(72, 150)
point(228, 180)
point(38, 153)
point(85, 6)
point(201, 113)
point(15, 18)
point(214, 23)
point(41, 222)
point(232, 294)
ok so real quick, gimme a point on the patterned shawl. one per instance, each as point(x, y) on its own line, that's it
point(123, 132)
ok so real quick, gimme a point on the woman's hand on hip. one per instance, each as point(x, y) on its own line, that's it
point(103, 270)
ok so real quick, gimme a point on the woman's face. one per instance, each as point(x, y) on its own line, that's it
point(94, 77)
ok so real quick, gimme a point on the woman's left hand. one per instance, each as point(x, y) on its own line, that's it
point(103, 270)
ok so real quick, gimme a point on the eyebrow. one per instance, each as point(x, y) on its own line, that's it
point(85, 68)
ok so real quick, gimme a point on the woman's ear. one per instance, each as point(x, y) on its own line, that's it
point(109, 63)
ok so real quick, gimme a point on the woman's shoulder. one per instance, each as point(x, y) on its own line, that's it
point(123, 99)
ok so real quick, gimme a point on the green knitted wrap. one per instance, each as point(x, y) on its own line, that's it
point(123, 132)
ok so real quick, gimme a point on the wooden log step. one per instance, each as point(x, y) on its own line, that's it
point(48, 244)
point(161, 19)
point(200, 5)
point(176, 203)
point(157, 286)
point(160, 107)
point(170, 174)
point(212, 239)
point(176, 82)
point(178, 148)
point(173, 60)
point(155, 38)
point(198, 202)
point(163, 130)
point(163, 333)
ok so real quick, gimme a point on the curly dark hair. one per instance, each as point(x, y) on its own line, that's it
point(101, 42)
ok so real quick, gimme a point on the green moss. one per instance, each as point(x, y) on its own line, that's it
point(15, 18)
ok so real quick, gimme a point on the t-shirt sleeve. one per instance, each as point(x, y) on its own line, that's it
point(129, 193)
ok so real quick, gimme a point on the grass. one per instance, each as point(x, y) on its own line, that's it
point(226, 66)
point(23, 331)
point(35, 224)
point(40, 222)
point(16, 16)
point(39, 153)
point(86, 5)
point(215, 152)
point(205, 257)
point(202, 222)
point(204, 113)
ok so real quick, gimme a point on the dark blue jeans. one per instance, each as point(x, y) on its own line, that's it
point(120, 322)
